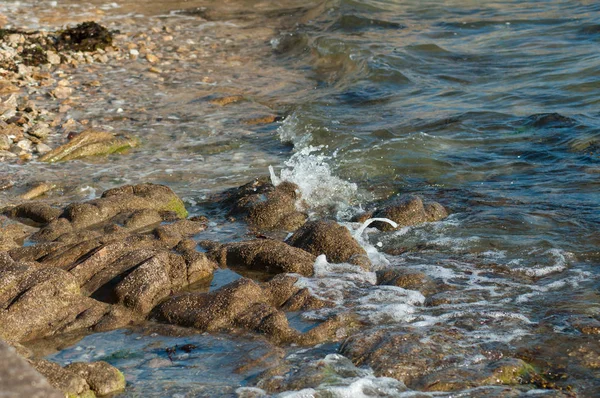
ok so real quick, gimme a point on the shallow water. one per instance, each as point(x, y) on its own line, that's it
point(491, 109)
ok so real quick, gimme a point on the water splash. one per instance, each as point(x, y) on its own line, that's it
point(313, 175)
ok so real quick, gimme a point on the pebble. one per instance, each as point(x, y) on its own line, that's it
point(53, 58)
point(7, 154)
point(5, 142)
point(62, 92)
point(24, 145)
point(40, 131)
point(42, 148)
point(152, 58)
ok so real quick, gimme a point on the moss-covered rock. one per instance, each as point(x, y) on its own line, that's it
point(90, 143)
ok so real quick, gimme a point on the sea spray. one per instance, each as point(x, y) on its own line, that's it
point(319, 186)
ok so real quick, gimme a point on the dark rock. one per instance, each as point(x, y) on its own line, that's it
point(555, 120)
point(265, 206)
point(331, 239)
point(88, 36)
point(265, 255)
point(402, 354)
point(155, 279)
point(19, 379)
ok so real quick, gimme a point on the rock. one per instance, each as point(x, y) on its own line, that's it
point(154, 280)
point(231, 99)
point(403, 354)
point(506, 371)
point(53, 58)
point(38, 190)
point(119, 202)
point(264, 255)
point(62, 92)
point(40, 131)
point(90, 143)
point(37, 212)
point(19, 379)
point(151, 58)
point(71, 384)
point(265, 206)
point(42, 148)
point(408, 210)
point(5, 142)
point(8, 108)
point(331, 239)
point(247, 305)
point(323, 376)
point(102, 378)
point(38, 302)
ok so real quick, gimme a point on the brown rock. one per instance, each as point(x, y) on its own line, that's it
point(248, 305)
point(37, 212)
point(265, 255)
point(406, 279)
point(265, 206)
point(331, 239)
point(407, 210)
point(68, 382)
point(102, 378)
point(38, 302)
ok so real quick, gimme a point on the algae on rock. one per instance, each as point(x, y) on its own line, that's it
point(90, 143)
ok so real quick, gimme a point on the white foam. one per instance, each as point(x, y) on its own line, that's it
point(318, 185)
point(560, 264)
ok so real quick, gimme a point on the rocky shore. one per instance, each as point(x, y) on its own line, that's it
point(127, 258)
point(133, 256)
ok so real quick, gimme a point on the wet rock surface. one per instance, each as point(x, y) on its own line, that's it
point(264, 255)
point(331, 239)
point(82, 379)
point(265, 206)
point(408, 210)
point(255, 307)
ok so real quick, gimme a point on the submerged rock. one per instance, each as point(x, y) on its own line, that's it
point(402, 354)
point(265, 206)
point(90, 143)
point(264, 255)
point(408, 210)
point(247, 305)
point(331, 239)
point(407, 279)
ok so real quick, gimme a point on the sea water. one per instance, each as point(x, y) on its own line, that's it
point(490, 108)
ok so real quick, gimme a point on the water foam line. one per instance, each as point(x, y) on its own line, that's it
point(361, 229)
